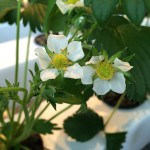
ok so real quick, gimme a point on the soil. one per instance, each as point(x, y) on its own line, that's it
point(112, 98)
point(34, 142)
point(41, 40)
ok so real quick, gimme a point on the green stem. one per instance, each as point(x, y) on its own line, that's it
point(17, 53)
point(36, 104)
point(7, 89)
point(17, 42)
point(30, 95)
point(63, 110)
point(115, 109)
point(27, 127)
point(2, 120)
point(27, 59)
point(19, 116)
point(9, 115)
point(39, 115)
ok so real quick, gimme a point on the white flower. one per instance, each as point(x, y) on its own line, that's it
point(60, 56)
point(66, 5)
point(106, 75)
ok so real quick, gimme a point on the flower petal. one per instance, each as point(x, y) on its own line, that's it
point(80, 3)
point(43, 57)
point(101, 87)
point(75, 51)
point(64, 7)
point(56, 43)
point(117, 83)
point(87, 75)
point(123, 66)
point(49, 74)
point(95, 59)
point(73, 71)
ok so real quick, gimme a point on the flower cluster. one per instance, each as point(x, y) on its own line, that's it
point(60, 57)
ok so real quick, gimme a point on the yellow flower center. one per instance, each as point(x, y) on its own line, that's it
point(60, 61)
point(70, 1)
point(104, 70)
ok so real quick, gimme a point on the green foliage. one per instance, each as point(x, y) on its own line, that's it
point(9, 129)
point(6, 6)
point(34, 15)
point(56, 21)
point(73, 93)
point(51, 4)
point(43, 126)
point(118, 36)
point(48, 94)
point(103, 9)
point(87, 2)
point(84, 125)
point(114, 140)
point(147, 3)
point(3, 103)
point(135, 10)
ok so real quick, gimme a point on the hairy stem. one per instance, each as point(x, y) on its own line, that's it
point(115, 109)
point(17, 42)
point(63, 110)
point(27, 60)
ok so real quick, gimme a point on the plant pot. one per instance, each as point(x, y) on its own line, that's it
point(138, 137)
point(34, 142)
point(112, 98)
point(40, 40)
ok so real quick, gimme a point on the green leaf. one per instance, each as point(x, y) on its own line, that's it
point(147, 3)
point(138, 44)
point(56, 21)
point(6, 6)
point(87, 2)
point(9, 130)
point(48, 95)
point(135, 10)
point(103, 9)
point(3, 103)
point(36, 67)
point(114, 140)
point(34, 14)
point(127, 59)
point(43, 126)
point(83, 126)
point(49, 9)
point(73, 93)
point(117, 55)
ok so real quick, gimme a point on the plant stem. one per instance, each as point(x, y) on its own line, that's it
point(63, 110)
point(42, 111)
point(17, 42)
point(9, 115)
point(19, 116)
point(27, 60)
point(17, 53)
point(7, 89)
point(115, 109)
point(27, 127)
